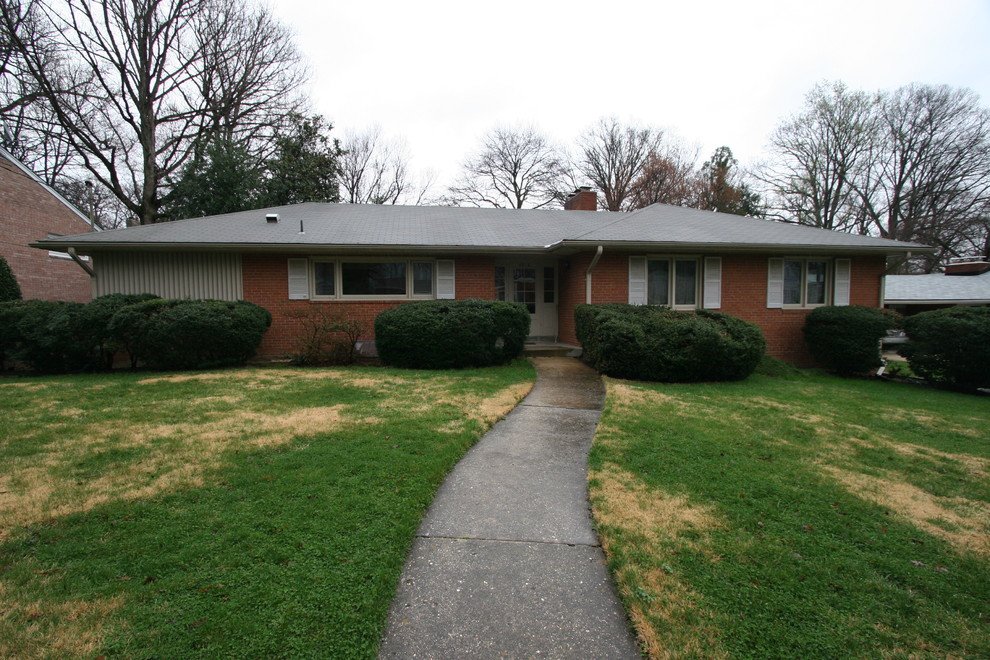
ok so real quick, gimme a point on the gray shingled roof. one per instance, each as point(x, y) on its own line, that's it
point(940, 288)
point(355, 226)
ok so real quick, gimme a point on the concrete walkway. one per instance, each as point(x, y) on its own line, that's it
point(506, 564)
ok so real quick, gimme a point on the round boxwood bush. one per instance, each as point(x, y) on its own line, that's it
point(950, 346)
point(100, 311)
point(659, 344)
point(9, 288)
point(447, 334)
point(846, 339)
point(203, 334)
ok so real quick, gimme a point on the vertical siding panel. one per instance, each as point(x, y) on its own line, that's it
point(173, 275)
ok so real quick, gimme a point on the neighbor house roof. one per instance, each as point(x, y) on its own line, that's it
point(937, 289)
point(355, 227)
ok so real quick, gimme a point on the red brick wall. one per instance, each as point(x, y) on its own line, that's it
point(744, 294)
point(27, 213)
point(266, 284)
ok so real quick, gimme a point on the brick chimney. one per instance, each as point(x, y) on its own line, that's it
point(582, 199)
point(967, 266)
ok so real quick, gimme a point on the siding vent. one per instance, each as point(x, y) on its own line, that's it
point(271, 218)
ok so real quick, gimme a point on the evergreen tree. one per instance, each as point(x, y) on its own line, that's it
point(9, 288)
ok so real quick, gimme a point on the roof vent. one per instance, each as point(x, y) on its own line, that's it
point(271, 218)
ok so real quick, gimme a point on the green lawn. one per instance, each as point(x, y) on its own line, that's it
point(810, 517)
point(247, 513)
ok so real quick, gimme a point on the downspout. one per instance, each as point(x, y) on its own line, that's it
point(82, 264)
point(587, 276)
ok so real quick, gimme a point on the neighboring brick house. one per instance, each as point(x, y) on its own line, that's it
point(31, 210)
point(362, 259)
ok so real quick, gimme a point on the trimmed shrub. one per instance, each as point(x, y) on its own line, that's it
point(950, 347)
point(9, 288)
point(100, 311)
point(846, 339)
point(447, 334)
point(659, 344)
point(200, 334)
point(55, 337)
point(10, 335)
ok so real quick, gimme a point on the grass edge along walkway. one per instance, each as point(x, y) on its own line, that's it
point(807, 517)
point(251, 512)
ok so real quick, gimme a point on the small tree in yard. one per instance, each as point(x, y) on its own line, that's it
point(9, 289)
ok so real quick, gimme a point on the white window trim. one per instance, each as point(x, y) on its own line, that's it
point(672, 285)
point(339, 282)
point(829, 282)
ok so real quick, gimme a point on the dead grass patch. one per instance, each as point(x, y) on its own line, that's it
point(676, 624)
point(625, 396)
point(962, 522)
point(54, 628)
point(34, 494)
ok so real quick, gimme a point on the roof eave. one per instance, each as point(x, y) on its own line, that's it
point(751, 247)
point(89, 247)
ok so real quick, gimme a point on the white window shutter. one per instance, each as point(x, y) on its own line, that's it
point(843, 281)
point(445, 279)
point(775, 283)
point(298, 279)
point(712, 293)
point(637, 280)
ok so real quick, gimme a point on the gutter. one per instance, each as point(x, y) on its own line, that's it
point(587, 275)
point(82, 264)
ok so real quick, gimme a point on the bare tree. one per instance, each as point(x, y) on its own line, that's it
point(150, 80)
point(612, 157)
point(667, 178)
point(930, 175)
point(516, 168)
point(376, 171)
point(910, 165)
point(817, 156)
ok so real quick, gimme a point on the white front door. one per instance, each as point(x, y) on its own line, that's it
point(534, 284)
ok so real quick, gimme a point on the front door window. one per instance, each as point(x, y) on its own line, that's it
point(524, 283)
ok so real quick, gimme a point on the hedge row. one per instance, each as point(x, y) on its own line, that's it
point(660, 344)
point(446, 334)
point(59, 337)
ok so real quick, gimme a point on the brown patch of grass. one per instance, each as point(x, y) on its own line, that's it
point(676, 624)
point(54, 628)
point(963, 522)
point(623, 395)
point(33, 494)
point(30, 387)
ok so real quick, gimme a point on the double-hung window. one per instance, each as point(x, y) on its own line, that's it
point(672, 282)
point(805, 282)
point(801, 282)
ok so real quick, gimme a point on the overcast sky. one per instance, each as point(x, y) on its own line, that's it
point(442, 73)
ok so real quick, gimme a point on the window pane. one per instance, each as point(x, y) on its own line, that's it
point(499, 282)
point(817, 271)
point(792, 282)
point(423, 279)
point(524, 280)
point(548, 284)
point(685, 282)
point(323, 276)
point(658, 283)
point(373, 279)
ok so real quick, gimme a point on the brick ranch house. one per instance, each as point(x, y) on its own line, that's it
point(362, 259)
point(31, 210)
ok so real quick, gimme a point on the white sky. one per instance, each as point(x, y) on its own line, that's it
point(441, 73)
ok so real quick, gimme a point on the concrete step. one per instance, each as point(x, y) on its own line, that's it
point(551, 350)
